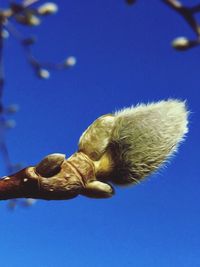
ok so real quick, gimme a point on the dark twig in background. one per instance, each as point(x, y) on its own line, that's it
point(188, 14)
point(28, 15)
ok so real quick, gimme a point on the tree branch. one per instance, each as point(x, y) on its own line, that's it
point(1, 64)
point(109, 150)
point(3, 146)
point(69, 178)
point(186, 12)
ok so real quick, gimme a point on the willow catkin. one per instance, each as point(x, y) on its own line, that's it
point(134, 142)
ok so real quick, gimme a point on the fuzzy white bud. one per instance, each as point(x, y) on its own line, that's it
point(70, 61)
point(10, 124)
point(12, 108)
point(34, 21)
point(5, 34)
point(48, 8)
point(28, 19)
point(134, 142)
point(181, 43)
point(43, 73)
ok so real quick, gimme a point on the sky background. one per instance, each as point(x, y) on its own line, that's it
point(124, 57)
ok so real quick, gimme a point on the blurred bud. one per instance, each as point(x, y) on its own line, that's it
point(28, 202)
point(12, 108)
point(130, 2)
point(33, 20)
point(29, 41)
point(70, 62)
point(12, 204)
point(4, 34)
point(10, 124)
point(21, 19)
point(181, 43)
point(50, 165)
point(47, 9)
point(28, 19)
point(43, 73)
point(16, 8)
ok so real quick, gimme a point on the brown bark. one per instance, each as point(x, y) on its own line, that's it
point(75, 176)
point(27, 183)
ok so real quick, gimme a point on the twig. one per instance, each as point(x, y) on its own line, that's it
point(68, 178)
point(27, 15)
point(3, 146)
point(186, 12)
point(2, 78)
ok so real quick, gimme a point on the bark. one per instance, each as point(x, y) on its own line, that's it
point(74, 176)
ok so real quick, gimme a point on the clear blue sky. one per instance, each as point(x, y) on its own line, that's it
point(123, 57)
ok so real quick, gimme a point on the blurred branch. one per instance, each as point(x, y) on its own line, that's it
point(1, 65)
point(40, 68)
point(3, 122)
point(188, 14)
point(24, 14)
point(27, 14)
point(27, 3)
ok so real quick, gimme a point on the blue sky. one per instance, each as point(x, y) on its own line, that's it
point(123, 57)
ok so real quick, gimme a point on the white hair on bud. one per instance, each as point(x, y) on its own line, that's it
point(132, 143)
point(145, 136)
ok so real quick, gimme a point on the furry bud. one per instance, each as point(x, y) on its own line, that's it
point(10, 123)
point(47, 9)
point(70, 62)
point(182, 44)
point(43, 74)
point(28, 19)
point(4, 34)
point(33, 20)
point(12, 109)
point(132, 143)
